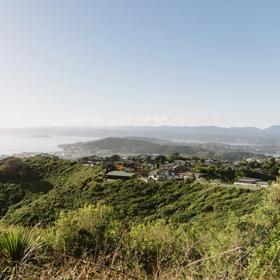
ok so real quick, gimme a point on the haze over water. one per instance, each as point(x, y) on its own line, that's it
point(15, 144)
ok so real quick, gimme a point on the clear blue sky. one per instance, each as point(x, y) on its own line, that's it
point(186, 62)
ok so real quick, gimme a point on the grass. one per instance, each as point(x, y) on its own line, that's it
point(132, 229)
point(250, 187)
point(18, 245)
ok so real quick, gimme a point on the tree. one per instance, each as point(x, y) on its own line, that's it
point(115, 158)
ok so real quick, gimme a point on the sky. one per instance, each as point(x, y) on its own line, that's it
point(139, 62)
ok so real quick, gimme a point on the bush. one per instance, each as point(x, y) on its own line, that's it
point(19, 245)
point(264, 261)
point(87, 230)
point(156, 244)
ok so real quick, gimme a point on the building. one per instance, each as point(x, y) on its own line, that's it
point(248, 181)
point(161, 175)
point(120, 175)
point(251, 181)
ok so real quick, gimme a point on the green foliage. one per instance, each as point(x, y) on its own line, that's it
point(135, 201)
point(89, 229)
point(252, 169)
point(172, 228)
point(49, 184)
point(263, 235)
point(18, 245)
point(224, 174)
point(157, 244)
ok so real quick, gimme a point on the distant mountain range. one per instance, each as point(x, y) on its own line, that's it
point(201, 134)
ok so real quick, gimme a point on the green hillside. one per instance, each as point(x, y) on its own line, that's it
point(40, 187)
point(63, 220)
point(42, 180)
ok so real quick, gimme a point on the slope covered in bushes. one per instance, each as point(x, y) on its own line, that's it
point(87, 228)
point(22, 182)
point(43, 186)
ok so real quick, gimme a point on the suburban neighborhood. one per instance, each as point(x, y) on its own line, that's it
point(149, 168)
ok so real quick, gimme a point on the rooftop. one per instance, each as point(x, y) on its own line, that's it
point(120, 174)
point(248, 180)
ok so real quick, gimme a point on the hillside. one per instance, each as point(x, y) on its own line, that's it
point(129, 146)
point(43, 186)
point(83, 227)
point(134, 146)
point(24, 181)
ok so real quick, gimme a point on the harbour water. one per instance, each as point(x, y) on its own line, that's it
point(18, 144)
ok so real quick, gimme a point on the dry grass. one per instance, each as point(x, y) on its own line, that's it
point(63, 267)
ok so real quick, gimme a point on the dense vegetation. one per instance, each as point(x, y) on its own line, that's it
point(36, 190)
point(86, 228)
point(267, 170)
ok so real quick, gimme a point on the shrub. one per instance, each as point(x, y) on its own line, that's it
point(18, 245)
point(156, 244)
point(264, 261)
point(86, 230)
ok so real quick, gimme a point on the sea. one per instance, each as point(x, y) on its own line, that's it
point(34, 144)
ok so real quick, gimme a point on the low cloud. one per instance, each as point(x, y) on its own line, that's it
point(173, 121)
point(148, 120)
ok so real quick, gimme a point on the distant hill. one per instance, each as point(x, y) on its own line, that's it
point(273, 130)
point(133, 146)
point(130, 146)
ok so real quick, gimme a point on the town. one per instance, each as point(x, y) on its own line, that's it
point(148, 168)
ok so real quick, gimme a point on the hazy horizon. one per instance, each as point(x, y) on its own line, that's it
point(96, 127)
point(142, 63)
point(127, 126)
